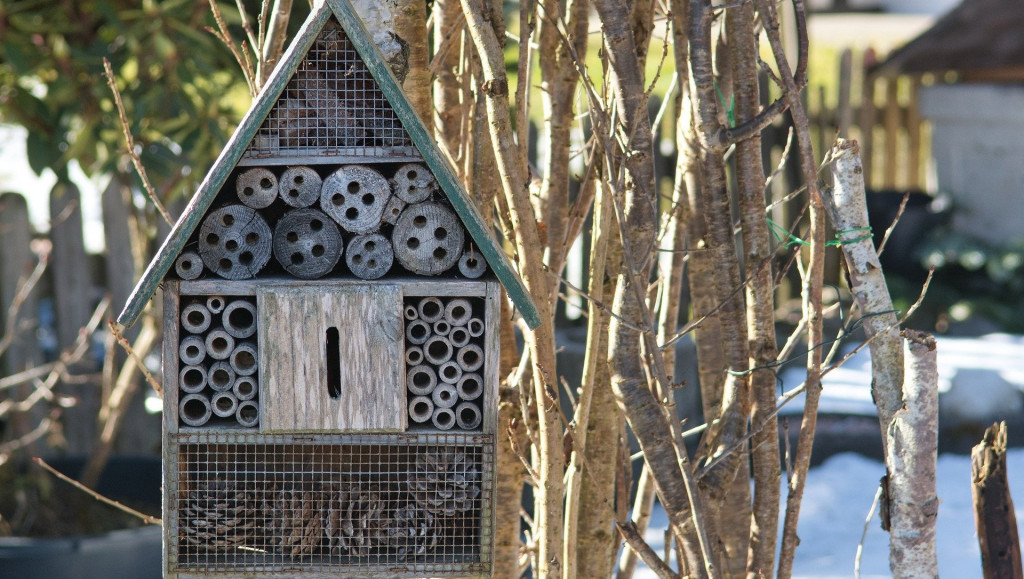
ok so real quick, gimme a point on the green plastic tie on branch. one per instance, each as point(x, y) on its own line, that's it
point(782, 235)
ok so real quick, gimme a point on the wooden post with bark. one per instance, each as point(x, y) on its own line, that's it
point(993, 506)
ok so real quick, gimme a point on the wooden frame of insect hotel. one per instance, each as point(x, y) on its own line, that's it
point(331, 300)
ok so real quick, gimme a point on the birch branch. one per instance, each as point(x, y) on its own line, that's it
point(993, 506)
point(913, 438)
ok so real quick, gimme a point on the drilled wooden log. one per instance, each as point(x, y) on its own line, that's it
point(472, 265)
point(307, 243)
point(245, 388)
point(244, 360)
point(421, 380)
point(192, 379)
point(224, 404)
point(192, 350)
point(470, 386)
point(393, 209)
point(355, 197)
point(248, 413)
point(300, 186)
point(468, 416)
point(220, 376)
point(369, 256)
point(240, 319)
point(421, 408)
point(459, 336)
point(438, 350)
point(414, 183)
point(413, 355)
point(257, 187)
point(450, 372)
point(443, 418)
point(428, 238)
point(431, 309)
point(219, 344)
point(417, 332)
point(195, 410)
point(196, 318)
point(215, 304)
point(470, 357)
point(235, 242)
point(994, 516)
point(444, 396)
point(188, 265)
point(458, 312)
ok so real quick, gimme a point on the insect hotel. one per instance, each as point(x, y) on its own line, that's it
point(331, 301)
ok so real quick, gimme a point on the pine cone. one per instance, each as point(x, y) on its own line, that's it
point(355, 519)
point(218, 515)
point(445, 482)
point(411, 531)
point(295, 521)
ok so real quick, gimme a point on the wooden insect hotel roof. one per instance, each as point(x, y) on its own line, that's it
point(280, 129)
point(979, 39)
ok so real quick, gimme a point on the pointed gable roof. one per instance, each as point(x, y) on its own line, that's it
point(247, 140)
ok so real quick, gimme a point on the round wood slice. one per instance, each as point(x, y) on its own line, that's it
point(234, 242)
point(188, 265)
point(307, 243)
point(355, 197)
point(414, 183)
point(428, 238)
point(300, 186)
point(257, 187)
point(369, 256)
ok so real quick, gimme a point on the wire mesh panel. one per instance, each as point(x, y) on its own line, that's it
point(332, 107)
point(400, 505)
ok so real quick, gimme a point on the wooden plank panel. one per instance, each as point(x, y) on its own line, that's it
point(411, 286)
point(293, 335)
point(492, 357)
point(172, 304)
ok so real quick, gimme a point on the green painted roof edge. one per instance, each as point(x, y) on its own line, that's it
point(449, 182)
point(251, 123)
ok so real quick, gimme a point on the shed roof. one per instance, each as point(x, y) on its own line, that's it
point(261, 107)
point(979, 38)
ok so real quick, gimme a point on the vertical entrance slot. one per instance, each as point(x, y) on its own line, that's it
point(333, 363)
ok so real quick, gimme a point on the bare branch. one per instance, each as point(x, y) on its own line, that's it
point(147, 519)
point(131, 352)
point(645, 552)
point(25, 287)
point(224, 35)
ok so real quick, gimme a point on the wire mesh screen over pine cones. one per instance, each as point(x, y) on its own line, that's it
point(341, 504)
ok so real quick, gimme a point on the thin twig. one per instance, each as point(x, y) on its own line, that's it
point(129, 142)
point(41, 430)
point(147, 519)
point(131, 352)
point(224, 35)
point(25, 287)
point(864, 535)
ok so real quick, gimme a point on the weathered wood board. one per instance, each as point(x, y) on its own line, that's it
point(328, 358)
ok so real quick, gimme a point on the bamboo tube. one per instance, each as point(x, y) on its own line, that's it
point(300, 186)
point(243, 359)
point(192, 379)
point(470, 357)
point(467, 416)
point(438, 350)
point(421, 409)
point(224, 404)
point(413, 355)
point(219, 344)
point(215, 304)
point(188, 265)
point(444, 396)
point(450, 372)
point(245, 388)
point(240, 319)
point(443, 418)
point(195, 318)
point(421, 380)
point(411, 313)
point(192, 350)
point(257, 187)
point(221, 376)
point(472, 265)
point(459, 337)
point(476, 327)
point(441, 328)
point(431, 309)
point(470, 387)
point(458, 312)
point(195, 410)
point(417, 331)
point(247, 413)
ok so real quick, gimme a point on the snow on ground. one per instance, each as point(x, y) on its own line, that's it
point(836, 502)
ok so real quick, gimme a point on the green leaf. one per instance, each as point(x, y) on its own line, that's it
point(42, 152)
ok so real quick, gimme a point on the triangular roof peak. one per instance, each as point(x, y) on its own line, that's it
point(262, 138)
